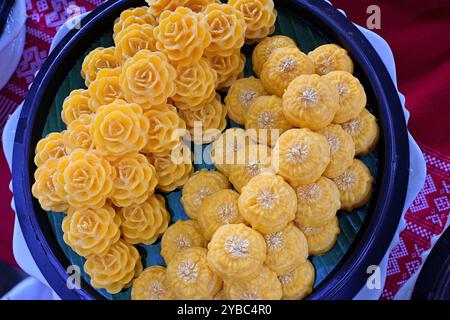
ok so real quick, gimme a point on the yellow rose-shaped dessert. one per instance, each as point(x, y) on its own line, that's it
point(190, 276)
point(179, 236)
point(148, 79)
point(364, 131)
point(91, 231)
point(227, 27)
point(116, 269)
point(298, 283)
point(318, 202)
point(50, 147)
point(135, 180)
point(199, 5)
point(259, 15)
point(218, 209)
point(199, 185)
point(195, 85)
point(266, 47)
point(152, 284)
point(206, 124)
point(145, 222)
point(268, 203)
point(355, 186)
point(241, 95)
point(321, 239)
point(139, 15)
point(331, 57)
point(310, 101)
point(165, 131)
point(158, 6)
point(183, 35)
point(77, 135)
point(97, 59)
point(132, 39)
point(44, 190)
point(105, 89)
point(301, 156)
point(75, 105)
point(237, 252)
point(228, 69)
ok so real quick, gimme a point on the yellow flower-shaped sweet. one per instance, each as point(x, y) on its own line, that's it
point(139, 15)
point(152, 284)
point(364, 131)
point(199, 5)
point(165, 131)
point(148, 79)
point(311, 102)
point(119, 128)
point(331, 57)
point(97, 59)
point(50, 147)
point(132, 39)
point(115, 269)
point(195, 85)
point(266, 47)
point(237, 252)
point(84, 179)
point(190, 276)
point(228, 69)
point(145, 222)
point(179, 236)
point(301, 156)
point(105, 88)
point(77, 135)
point(321, 239)
point(283, 66)
point(91, 231)
point(227, 27)
point(75, 105)
point(158, 6)
point(206, 124)
point(44, 190)
point(268, 203)
point(183, 35)
point(241, 95)
point(298, 283)
point(135, 180)
point(259, 15)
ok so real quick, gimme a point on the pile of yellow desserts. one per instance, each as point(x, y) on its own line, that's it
point(280, 181)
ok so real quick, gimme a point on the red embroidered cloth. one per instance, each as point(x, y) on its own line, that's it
point(417, 33)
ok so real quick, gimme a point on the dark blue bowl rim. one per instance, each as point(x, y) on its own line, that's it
point(348, 277)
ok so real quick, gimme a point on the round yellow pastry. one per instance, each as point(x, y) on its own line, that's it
point(165, 131)
point(265, 118)
point(77, 135)
point(268, 203)
point(50, 147)
point(179, 236)
point(199, 185)
point(259, 15)
point(286, 249)
point(145, 222)
point(158, 6)
point(228, 69)
point(135, 180)
point(237, 252)
point(321, 239)
point(132, 39)
point(241, 95)
point(116, 269)
point(148, 79)
point(139, 15)
point(218, 209)
point(44, 189)
point(105, 88)
point(298, 283)
point(186, 45)
point(119, 128)
point(152, 284)
point(352, 97)
point(318, 202)
point(311, 102)
point(301, 156)
point(97, 59)
point(91, 231)
point(190, 277)
point(283, 66)
point(75, 105)
point(364, 130)
point(355, 186)
point(342, 150)
point(206, 124)
point(265, 286)
point(331, 57)
point(199, 5)
point(266, 47)
point(227, 27)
